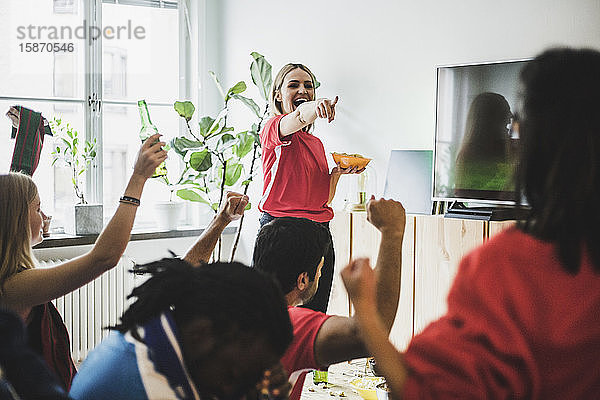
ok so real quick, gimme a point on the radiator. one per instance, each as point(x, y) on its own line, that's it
point(91, 308)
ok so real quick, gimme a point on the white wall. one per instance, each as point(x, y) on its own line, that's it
point(379, 55)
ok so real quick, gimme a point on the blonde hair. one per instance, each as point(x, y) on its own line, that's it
point(275, 105)
point(17, 191)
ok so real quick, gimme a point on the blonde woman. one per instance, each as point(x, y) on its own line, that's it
point(297, 180)
point(28, 290)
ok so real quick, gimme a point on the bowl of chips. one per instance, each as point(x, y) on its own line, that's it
point(345, 160)
point(366, 386)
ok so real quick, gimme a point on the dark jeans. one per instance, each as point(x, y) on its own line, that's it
point(321, 299)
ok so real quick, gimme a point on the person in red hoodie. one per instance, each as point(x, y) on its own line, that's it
point(522, 320)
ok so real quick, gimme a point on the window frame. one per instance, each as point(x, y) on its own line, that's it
point(93, 101)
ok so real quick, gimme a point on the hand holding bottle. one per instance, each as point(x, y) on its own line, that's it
point(148, 130)
point(150, 156)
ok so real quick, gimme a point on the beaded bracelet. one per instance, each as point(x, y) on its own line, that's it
point(129, 200)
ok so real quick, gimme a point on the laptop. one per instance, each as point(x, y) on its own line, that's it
point(409, 180)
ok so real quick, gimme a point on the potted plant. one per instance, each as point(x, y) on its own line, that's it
point(168, 212)
point(219, 156)
point(77, 154)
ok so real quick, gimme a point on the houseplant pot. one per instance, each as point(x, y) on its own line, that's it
point(84, 219)
point(167, 214)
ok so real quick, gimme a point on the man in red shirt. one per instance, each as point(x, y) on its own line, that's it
point(292, 250)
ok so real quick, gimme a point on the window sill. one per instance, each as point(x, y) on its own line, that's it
point(64, 240)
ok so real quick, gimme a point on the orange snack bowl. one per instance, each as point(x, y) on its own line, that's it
point(350, 160)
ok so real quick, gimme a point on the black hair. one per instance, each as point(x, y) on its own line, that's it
point(286, 247)
point(232, 296)
point(559, 167)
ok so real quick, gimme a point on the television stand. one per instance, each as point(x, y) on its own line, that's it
point(497, 213)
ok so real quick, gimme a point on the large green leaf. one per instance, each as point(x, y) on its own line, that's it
point(201, 160)
point(205, 124)
point(226, 141)
point(66, 142)
point(250, 103)
point(260, 70)
point(191, 195)
point(244, 145)
point(185, 109)
point(218, 124)
point(212, 74)
point(233, 173)
point(182, 145)
point(235, 89)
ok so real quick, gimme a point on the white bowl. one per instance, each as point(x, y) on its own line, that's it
point(382, 392)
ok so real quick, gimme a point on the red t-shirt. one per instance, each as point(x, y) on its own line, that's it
point(518, 326)
point(299, 358)
point(296, 175)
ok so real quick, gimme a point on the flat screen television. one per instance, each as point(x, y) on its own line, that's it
point(475, 145)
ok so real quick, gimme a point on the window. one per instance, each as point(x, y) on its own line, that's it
point(133, 70)
point(114, 73)
point(65, 7)
point(95, 88)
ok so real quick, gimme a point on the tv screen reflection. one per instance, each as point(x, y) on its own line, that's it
point(476, 144)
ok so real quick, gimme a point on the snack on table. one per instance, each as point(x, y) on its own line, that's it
point(366, 386)
point(346, 160)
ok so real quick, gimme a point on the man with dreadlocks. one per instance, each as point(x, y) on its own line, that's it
point(207, 332)
point(192, 333)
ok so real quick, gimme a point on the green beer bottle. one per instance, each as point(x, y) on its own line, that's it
point(148, 129)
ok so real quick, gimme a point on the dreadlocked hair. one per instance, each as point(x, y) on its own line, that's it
point(231, 295)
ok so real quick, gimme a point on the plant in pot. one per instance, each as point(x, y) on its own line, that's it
point(221, 157)
point(77, 155)
point(168, 212)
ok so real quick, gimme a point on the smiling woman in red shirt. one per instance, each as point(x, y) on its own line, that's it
point(297, 180)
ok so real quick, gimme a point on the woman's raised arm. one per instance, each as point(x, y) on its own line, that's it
point(306, 114)
point(40, 285)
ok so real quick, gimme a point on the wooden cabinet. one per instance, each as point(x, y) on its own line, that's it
point(440, 244)
point(495, 227)
point(431, 252)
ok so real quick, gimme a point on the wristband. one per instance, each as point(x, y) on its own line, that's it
point(129, 200)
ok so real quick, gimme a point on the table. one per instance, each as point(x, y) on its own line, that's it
point(339, 387)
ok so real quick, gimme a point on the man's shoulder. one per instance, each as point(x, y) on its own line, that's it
point(109, 369)
point(301, 315)
point(303, 311)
